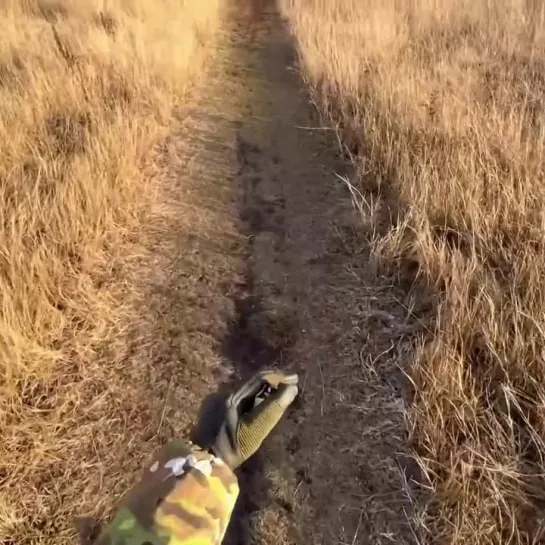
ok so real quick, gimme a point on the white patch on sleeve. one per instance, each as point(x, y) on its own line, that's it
point(191, 460)
point(204, 466)
point(176, 465)
point(218, 461)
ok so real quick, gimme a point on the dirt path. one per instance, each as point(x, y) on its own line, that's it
point(257, 259)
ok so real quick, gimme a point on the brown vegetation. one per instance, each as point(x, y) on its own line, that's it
point(87, 89)
point(441, 104)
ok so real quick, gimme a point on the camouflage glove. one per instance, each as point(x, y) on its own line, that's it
point(251, 413)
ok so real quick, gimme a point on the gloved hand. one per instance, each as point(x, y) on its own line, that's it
point(251, 413)
point(187, 493)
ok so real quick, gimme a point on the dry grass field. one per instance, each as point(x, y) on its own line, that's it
point(438, 103)
point(441, 104)
point(88, 89)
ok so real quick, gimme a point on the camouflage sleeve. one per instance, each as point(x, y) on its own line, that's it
point(185, 497)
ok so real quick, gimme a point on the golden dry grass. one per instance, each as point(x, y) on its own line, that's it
point(88, 88)
point(442, 102)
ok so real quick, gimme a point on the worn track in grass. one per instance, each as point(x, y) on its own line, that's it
point(257, 258)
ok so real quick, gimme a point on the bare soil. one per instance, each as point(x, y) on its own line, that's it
point(255, 257)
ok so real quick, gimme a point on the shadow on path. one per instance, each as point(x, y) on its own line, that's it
point(288, 283)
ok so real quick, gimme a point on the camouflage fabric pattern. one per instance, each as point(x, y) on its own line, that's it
point(185, 497)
